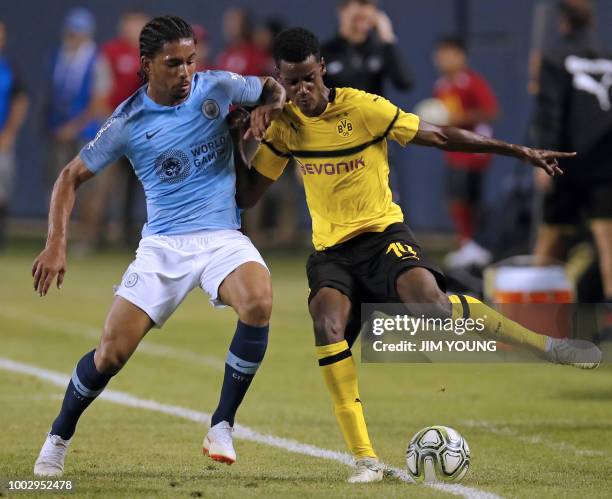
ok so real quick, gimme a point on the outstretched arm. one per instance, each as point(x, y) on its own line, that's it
point(52, 260)
point(450, 138)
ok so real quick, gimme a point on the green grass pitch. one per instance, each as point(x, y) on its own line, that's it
point(534, 430)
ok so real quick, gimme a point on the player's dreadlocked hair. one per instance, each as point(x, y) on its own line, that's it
point(295, 45)
point(159, 31)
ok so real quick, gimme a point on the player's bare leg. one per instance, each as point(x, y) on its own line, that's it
point(124, 328)
point(330, 311)
point(418, 286)
point(248, 290)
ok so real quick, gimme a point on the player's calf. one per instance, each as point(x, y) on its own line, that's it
point(249, 291)
point(85, 385)
point(577, 353)
point(125, 327)
point(244, 357)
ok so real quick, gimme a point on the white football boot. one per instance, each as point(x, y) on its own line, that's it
point(578, 353)
point(50, 461)
point(218, 443)
point(367, 470)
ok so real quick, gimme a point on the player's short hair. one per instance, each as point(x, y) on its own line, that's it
point(454, 41)
point(295, 45)
point(161, 30)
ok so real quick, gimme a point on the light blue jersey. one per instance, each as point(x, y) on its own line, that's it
point(183, 154)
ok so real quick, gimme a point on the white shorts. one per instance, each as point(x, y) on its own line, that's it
point(167, 268)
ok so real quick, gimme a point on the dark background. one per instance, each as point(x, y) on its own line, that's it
point(499, 35)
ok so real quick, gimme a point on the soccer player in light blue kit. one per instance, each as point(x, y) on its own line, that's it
point(174, 132)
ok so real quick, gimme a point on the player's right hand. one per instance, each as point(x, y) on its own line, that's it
point(261, 118)
point(544, 159)
point(50, 263)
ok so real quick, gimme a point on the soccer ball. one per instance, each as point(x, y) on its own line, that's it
point(433, 111)
point(438, 454)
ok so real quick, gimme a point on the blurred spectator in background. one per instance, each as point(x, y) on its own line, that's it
point(241, 55)
point(263, 37)
point(13, 110)
point(472, 105)
point(119, 61)
point(116, 78)
point(364, 52)
point(202, 48)
point(72, 81)
point(574, 113)
point(69, 112)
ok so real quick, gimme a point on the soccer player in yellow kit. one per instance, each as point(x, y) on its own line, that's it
point(364, 250)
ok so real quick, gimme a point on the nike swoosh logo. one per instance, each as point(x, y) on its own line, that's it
point(150, 135)
point(244, 367)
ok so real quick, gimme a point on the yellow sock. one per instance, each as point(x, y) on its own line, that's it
point(340, 373)
point(496, 325)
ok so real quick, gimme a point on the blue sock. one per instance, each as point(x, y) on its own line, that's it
point(86, 384)
point(245, 354)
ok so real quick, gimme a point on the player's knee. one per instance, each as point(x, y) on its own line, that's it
point(425, 292)
point(328, 329)
point(108, 359)
point(256, 308)
point(110, 355)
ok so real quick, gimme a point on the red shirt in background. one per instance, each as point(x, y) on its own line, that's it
point(467, 91)
point(124, 62)
point(245, 59)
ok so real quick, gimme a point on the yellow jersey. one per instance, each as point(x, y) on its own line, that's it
point(342, 155)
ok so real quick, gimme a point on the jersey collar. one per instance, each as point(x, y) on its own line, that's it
point(330, 100)
point(151, 104)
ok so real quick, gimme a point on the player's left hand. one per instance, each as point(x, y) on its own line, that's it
point(547, 160)
point(261, 118)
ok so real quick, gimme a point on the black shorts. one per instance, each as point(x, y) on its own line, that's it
point(464, 185)
point(573, 199)
point(366, 268)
